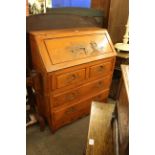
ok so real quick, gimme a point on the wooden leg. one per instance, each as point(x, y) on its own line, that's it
point(41, 122)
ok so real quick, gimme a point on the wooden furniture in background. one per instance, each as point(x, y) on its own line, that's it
point(76, 67)
point(123, 111)
point(121, 58)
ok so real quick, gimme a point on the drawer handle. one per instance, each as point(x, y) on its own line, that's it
point(72, 77)
point(100, 84)
point(101, 68)
point(72, 96)
point(70, 110)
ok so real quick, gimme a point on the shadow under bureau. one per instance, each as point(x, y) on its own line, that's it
point(74, 66)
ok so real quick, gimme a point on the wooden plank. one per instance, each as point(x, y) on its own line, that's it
point(123, 111)
point(125, 74)
point(100, 130)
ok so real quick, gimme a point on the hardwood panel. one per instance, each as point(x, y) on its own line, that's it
point(123, 111)
point(100, 130)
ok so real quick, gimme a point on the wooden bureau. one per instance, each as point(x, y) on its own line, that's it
point(74, 66)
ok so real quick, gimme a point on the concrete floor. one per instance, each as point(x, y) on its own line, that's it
point(69, 140)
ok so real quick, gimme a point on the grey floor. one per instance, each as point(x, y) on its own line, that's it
point(69, 140)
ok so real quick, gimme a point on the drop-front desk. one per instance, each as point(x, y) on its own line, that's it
point(75, 67)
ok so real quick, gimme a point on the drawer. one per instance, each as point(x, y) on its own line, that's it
point(73, 112)
point(100, 69)
point(86, 91)
point(70, 113)
point(70, 78)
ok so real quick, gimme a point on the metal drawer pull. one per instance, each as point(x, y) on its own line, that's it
point(70, 110)
point(72, 95)
point(72, 77)
point(101, 68)
point(100, 84)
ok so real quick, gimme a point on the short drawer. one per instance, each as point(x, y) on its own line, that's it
point(86, 91)
point(100, 69)
point(70, 78)
point(70, 113)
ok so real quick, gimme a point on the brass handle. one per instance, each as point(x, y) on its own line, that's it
point(101, 68)
point(70, 110)
point(100, 84)
point(72, 95)
point(72, 77)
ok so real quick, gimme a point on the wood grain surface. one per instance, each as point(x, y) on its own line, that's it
point(100, 129)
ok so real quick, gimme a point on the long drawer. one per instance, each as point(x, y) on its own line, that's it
point(85, 91)
point(72, 112)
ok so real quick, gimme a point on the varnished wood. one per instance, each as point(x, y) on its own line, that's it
point(94, 34)
point(109, 123)
point(84, 91)
point(75, 67)
point(123, 110)
point(100, 129)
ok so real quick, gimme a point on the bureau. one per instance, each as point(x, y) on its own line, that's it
point(74, 66)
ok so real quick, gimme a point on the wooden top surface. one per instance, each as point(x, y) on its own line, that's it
point(100, 130)
point(65, 48)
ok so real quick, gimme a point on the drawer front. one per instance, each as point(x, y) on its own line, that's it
point(70, 78)
point(70, 113)
point(73, 112)
point(82, 92)
point(101, 69)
